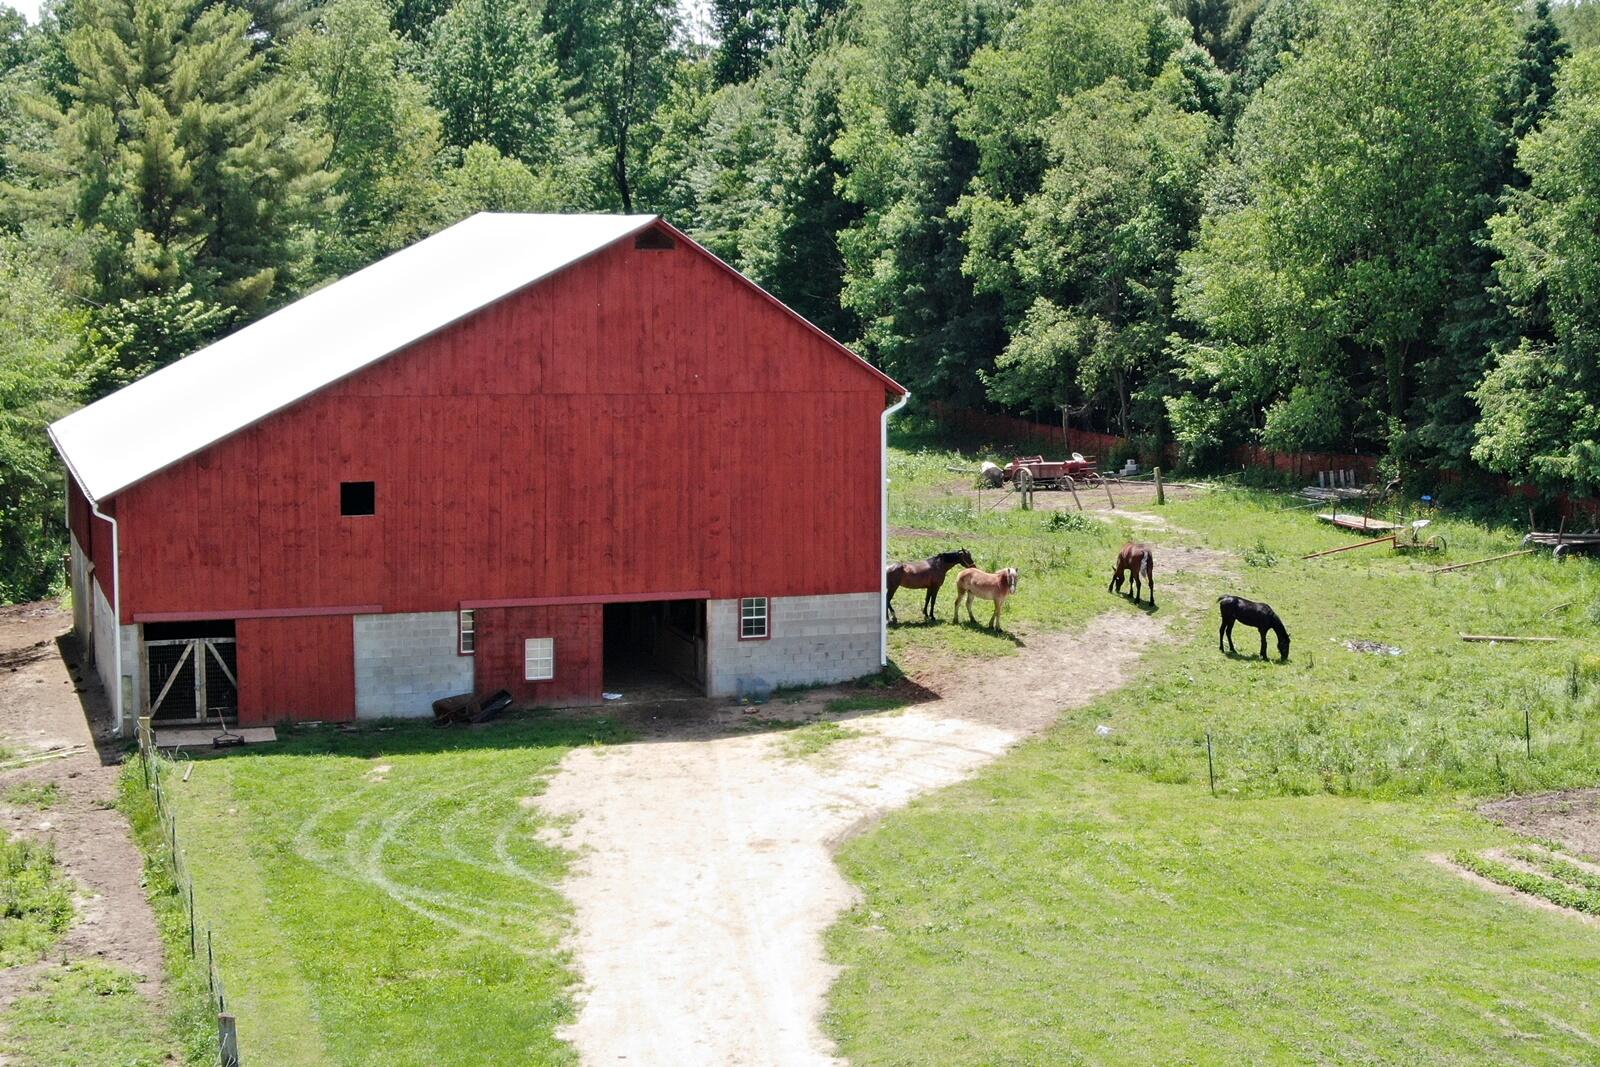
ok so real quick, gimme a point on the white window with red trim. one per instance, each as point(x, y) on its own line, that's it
point(539, 659)
point(466, 632)
point(755, 618)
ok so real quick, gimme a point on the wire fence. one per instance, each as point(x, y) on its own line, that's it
point(159, 772)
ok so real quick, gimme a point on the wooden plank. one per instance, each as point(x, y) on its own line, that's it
point(1486, 559)
point(1347, 548)
point(1504, 637)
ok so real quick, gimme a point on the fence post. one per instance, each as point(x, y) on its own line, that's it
point(1161, 494)
point(228, 1039)
point(1211, 767)
point(191, 918)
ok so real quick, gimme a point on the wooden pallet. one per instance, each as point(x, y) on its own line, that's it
point(1359, 523)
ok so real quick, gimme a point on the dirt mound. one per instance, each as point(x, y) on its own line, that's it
point(1571, 816)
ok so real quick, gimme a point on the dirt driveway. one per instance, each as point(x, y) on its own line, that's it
point(706, 875)
point(50, 710)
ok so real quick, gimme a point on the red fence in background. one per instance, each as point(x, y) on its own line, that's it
point(1010, 429)
point(1025, 433)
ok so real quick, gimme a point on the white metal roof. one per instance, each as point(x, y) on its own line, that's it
point(319, 339)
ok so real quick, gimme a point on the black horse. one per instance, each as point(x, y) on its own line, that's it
point(923, 574)
point(1251, 613)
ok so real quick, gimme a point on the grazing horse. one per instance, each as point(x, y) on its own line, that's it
point(1249, 612)
point(973, 583)
point(923, 574)
point(1139, 559)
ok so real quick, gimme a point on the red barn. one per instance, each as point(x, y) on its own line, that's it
point(554, 454)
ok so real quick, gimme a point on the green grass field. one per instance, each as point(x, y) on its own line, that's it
point(341, 871)
point(1086, 900)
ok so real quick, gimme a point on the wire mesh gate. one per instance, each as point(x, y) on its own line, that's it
point(192, 678)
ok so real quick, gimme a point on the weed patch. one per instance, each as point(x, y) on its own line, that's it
point(40, 795)
point(85, 1015)
point(35, 901)
point(815, 738)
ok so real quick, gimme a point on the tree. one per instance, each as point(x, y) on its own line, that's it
point(906, 163)
point(190, 163)
point(495, 80)
point(1541, 421)
point(619, 56)
point(384, 137)
point(38, 331)
point(1538, 60)
point(1362, 169)
point(1098, 251)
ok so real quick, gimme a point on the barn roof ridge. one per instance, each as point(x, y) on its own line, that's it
point(324, 337)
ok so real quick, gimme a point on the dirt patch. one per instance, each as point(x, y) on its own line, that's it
point(705, 876)
point(1571, 817)
point(52, 710)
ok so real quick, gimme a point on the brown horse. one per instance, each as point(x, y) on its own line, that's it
point(1139, 559)
point(922, 574)
point(996, 587)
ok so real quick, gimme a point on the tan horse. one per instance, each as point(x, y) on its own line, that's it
point(973, 583)
point(1139, 559)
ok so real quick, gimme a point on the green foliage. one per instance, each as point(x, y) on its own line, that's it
point(386, 139)
point(182, 156)
point(39, 383)
point(35, 901)
point(495, 81)
point(40, 795)
point(1343, 238)
point(131, 337)
point(1540, 419)
point(1069, 522)
point(85, 1014)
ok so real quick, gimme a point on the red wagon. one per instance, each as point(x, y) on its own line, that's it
point(1039, 473)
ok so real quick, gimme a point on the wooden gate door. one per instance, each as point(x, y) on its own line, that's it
point(192, 679)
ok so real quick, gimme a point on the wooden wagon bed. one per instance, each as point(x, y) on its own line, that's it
point(1360, 523)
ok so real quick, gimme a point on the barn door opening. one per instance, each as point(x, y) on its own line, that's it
point(655, 648)
point(193, 671)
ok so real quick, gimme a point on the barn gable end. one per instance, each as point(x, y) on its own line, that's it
point(641, 423)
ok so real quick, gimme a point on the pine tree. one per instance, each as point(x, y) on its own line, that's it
point(1538, 60)
point(189, 162)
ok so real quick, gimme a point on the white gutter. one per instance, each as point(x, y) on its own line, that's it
point(883, 571)
point(116, 614)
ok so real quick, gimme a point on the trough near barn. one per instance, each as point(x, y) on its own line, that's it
point(555, 454)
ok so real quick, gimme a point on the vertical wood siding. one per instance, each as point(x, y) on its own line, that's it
point(578, 631)
point(639, 422)
point(300, 669)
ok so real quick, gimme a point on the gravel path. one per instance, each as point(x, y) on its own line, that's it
point(706, 874)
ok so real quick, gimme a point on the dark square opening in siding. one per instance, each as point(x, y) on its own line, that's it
point(654, 241)
point(358, 498)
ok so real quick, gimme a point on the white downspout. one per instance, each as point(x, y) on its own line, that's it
point(883, 568)
point(116, 614)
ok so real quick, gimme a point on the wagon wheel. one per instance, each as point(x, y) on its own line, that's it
point(1560, 551)
point(1436, 544)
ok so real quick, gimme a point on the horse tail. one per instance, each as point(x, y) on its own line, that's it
point(1149, 564)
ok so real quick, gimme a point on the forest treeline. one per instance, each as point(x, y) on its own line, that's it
point(1306, 224)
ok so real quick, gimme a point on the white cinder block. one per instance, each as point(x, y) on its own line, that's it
point(404, 662)
point(815, 639)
